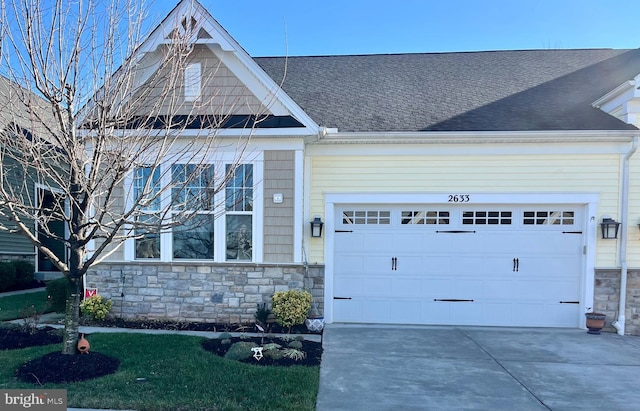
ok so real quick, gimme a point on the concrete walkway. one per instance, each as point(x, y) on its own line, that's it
point(472, 368)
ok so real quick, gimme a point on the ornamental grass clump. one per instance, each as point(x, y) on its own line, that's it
point(291, 307)
point(96, 307)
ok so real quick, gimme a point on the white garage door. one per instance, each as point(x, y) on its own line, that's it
point(480, 265)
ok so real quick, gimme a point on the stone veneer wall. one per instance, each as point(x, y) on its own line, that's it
point(4, 257)
point(607, 298)
point(222, 293)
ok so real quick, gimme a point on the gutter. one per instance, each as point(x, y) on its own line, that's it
point(619, 324)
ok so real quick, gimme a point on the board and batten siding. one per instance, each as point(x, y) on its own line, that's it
point(566, 173)
point(279, 178)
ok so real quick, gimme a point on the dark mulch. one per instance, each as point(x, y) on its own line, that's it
point(150, 324)
point(59, 368)
point(311, 348)
point(12, 338)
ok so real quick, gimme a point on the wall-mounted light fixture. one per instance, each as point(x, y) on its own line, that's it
point(316, 227)
point(609, 227)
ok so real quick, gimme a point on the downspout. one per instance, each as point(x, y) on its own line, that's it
point(622, 252)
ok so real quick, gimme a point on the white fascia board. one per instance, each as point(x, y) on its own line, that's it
point(478, 137)
point(294, 132)
point(616, 92)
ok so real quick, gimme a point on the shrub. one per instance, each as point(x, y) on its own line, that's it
point(224, 336)
point(96, 307)
point(275, 354)
point(25, 272)
point(7, 275)
point(295, 344)
point(57, 294)
point(291, 307)
point(294, 354)
point(240, 351)
point(262, 314)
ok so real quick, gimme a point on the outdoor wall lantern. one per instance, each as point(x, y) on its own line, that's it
point(316, 227)
point(609, 227)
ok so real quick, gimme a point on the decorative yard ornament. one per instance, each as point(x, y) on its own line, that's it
point(83, 345)
point(257, 353)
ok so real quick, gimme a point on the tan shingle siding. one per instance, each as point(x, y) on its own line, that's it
point(279, 177)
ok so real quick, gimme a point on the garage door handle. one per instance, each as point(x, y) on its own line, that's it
point(516, 265)
point(394, 263)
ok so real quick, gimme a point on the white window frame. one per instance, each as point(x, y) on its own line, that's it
point(166, 238)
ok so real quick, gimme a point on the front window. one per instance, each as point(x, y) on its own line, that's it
point(192, 192)
point(196, 203)
point(146, 187)
point(239, 210)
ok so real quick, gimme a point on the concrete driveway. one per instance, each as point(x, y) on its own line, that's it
point(374, 367)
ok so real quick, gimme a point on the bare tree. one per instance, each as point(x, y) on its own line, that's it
point(89, 120)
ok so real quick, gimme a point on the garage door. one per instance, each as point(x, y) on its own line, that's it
point(480, 265)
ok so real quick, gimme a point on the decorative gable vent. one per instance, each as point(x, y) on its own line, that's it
point(192, 82)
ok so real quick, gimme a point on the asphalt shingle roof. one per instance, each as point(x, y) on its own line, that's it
point(474, 91)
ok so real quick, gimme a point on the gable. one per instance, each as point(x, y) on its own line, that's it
point(225, 87)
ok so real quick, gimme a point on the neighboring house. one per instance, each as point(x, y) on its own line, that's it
point(454, 188)
point(18, 107)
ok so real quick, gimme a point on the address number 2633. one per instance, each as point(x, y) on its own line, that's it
point(459, 198)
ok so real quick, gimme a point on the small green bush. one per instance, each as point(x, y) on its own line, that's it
point(294, 354)
point(57, 294)
point(271, 346)
point(96, 307)
point(291, 307)
point(240, 351)
point(7, 275)
point(224, 336)
point(25, 272)
point(275, 354)
point(295, 344)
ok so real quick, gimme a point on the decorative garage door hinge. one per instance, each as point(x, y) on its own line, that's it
point(452, 300)
point(455, 231)
point(341, 298)
point(344, 231)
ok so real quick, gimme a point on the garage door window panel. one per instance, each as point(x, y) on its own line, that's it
point(549, 218)
point(487, 217)
point(366, 217)
point(425, 217)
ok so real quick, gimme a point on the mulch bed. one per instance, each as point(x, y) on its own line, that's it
point(312, 349)
point(59, 368)
point(149, 324)
point(12, 338)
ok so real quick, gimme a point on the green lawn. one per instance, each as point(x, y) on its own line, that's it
point(15, 306)
point(179, 375)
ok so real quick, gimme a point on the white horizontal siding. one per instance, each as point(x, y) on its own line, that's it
point(470, 174)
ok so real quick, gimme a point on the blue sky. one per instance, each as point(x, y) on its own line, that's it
point(311, 27)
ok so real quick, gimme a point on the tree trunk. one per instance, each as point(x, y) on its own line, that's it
point(72, 316)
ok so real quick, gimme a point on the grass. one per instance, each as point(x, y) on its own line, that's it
point(179, 375)
point(14, 306)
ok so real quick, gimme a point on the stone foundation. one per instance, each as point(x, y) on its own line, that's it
point(607, 298)
point(5, 257)
point(222, 293)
